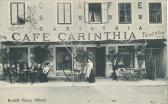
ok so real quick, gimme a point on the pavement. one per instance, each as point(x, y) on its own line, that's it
point(104, 91)
point(99, 82)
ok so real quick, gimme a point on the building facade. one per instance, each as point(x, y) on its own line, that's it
point(95, 26)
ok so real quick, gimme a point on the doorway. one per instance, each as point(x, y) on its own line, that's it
point(100, 61)
point(154, 63)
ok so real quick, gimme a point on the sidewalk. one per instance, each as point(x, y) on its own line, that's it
point(99, 82)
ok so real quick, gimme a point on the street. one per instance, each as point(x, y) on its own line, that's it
point(100, 93)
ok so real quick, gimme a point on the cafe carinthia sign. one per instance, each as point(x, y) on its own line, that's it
point(79, 36)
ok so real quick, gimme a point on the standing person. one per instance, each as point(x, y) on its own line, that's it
point(32, 74)
point(14, 73)
point(89, 71)
point(18, 72)
point(9, 73)
point(4, 71)
point(45, 72)
point(25, 73)
point(115, 67)
point(39, 72)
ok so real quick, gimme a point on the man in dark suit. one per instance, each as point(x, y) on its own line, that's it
point(9, 72)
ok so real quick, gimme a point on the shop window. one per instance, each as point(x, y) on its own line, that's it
point(18, 55)
point(17, 12)
point(127, 57)
point(155, 13)
point(64, 13)
point(95, 12)
point(63, 58)
point(125, 16)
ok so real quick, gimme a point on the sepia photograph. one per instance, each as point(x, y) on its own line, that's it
point(83, 52)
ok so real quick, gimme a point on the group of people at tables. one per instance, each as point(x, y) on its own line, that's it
point(38, 72)
point(24, 73)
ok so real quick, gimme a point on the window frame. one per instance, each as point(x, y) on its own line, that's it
point(100, 14)
point(16, 3)
point(70, 18)
point(130, 22)
point(65, 53)
point(104, 12)
point(160, 14)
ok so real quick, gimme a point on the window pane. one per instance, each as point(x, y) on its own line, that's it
point(127, 6)
point(21, 19)
point(60, 11)
point(124, 13)
point(17, 13)
point(67, 13)
point(63, 59)
point(122, 19)
point(14, 13)
point(121, 6)
point(64, 13)
point(126, 56)
point(95, 12)
point(155, 13)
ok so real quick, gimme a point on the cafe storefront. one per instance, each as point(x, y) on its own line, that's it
point(102, 66)
point(85, 26)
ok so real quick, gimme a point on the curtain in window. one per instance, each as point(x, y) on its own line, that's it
point(125, 13)
point(17, 13)
point(126, 56)
point(155, 12)
point(96, 12)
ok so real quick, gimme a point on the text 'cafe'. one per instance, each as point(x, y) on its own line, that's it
point(94, 26)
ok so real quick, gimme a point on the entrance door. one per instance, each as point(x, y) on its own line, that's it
point(100, 61)
point(153, 63)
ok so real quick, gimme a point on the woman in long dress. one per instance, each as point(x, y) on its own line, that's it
point(90, 72)
point(45, 72)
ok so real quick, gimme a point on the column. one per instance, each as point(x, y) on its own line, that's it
point(136, 60)
point(29, 55)
point(106, 63)
point(54, 59)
